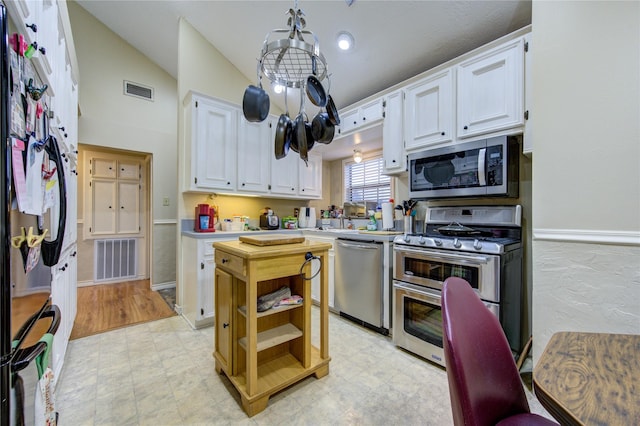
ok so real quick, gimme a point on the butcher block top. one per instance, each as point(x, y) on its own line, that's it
point(271, 239)
point(251, 251)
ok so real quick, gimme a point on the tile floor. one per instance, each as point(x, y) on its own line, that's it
point(162, 373)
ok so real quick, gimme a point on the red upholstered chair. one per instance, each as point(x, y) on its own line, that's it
point(484, 384)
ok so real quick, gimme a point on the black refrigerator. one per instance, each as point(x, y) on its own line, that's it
point(26, 312)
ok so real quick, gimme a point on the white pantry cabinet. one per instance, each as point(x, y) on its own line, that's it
point(46, 23)
point(491, 90)
point(393, 153)
point(428, 117)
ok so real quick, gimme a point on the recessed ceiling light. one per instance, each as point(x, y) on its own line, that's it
point(345, 40)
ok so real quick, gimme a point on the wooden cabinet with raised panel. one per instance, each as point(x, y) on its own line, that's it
point(223, 324)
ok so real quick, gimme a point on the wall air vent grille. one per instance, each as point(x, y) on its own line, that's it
point(138, 90)
point(115, 259)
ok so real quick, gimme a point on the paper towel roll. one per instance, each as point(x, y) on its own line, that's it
point(387, 215)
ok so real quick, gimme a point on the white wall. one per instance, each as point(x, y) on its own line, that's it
point(586, 168)
point(111, 119)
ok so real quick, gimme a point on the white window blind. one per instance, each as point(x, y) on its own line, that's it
point(364, 181)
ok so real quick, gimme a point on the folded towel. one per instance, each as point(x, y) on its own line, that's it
point(266, 301)
point(293, 300)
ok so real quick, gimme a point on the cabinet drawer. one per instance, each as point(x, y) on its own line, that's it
point(230, 262)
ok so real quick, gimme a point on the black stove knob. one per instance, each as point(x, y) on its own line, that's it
point(456, 243)
point(477, 245)
point(438, 242)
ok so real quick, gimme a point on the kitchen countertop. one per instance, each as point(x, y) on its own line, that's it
point(378, 236)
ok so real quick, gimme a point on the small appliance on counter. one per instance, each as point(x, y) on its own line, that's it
point(268, 220)
point(205, 218)
point(307, 217)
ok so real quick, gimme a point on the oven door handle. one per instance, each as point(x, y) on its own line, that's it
point(437, 255)
point(431, 295)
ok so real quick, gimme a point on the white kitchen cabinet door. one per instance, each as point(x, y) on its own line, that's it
point(254, 155)
point(128, 207)
point(129, 170)
point(491, 90)
point(310, 176)
point(315, 281)
point(103, 167)
point(215, 131)
point(428, 118)
point(103, 209)
point(284, 174)
point(393, 153)
point(207, 281)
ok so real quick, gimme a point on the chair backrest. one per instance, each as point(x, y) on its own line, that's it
point(484, 383)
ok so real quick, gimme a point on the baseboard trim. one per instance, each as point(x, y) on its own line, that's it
point(162, 286)
point(631, 238)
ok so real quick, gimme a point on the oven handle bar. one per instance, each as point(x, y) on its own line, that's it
point(430, 295)
point(438, 255)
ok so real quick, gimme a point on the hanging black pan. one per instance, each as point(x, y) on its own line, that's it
point(284, 130)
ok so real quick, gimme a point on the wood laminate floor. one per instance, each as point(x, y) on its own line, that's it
point(110, 306)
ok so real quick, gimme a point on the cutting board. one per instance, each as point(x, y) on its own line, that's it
point(381, 232)
point(271, 239)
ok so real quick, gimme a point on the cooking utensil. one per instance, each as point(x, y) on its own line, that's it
point(313, 87)
point(332, 111)
point(255, 102)
point(323, 128)
point(284, 131)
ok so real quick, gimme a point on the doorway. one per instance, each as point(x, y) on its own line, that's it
point(114, 215)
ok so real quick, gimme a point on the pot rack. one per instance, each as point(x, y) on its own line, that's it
point(289, 61)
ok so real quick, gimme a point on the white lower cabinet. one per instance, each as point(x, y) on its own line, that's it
point(198, 261)
point(315, 281)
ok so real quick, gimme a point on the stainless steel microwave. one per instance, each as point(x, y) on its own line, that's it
point(486, 167)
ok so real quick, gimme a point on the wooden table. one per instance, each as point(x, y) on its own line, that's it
point(590, 378)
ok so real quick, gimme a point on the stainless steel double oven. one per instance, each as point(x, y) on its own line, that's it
point(489, 258)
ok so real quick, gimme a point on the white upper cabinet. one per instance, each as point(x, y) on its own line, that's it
point(491, 90)
point(211, 148)
point(310, 176)
point(395, 160)
point(225, 153)
point(360, 117)
point(284, 173)
point(428, 117)
point(254, 155)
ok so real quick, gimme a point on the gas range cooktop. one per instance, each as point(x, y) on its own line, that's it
point(479, 229)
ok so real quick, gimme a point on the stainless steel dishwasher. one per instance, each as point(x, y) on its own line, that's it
point(359, 282)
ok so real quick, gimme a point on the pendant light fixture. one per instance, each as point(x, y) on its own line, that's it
point(357, 155)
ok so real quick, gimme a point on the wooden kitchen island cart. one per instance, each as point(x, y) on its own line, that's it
point(264, 352)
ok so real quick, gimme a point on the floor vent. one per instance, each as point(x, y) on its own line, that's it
point(138, 90)
point(115, 259)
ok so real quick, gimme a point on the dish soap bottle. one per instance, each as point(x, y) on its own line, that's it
point(373, 224)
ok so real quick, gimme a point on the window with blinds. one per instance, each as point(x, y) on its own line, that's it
point(364, 181)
